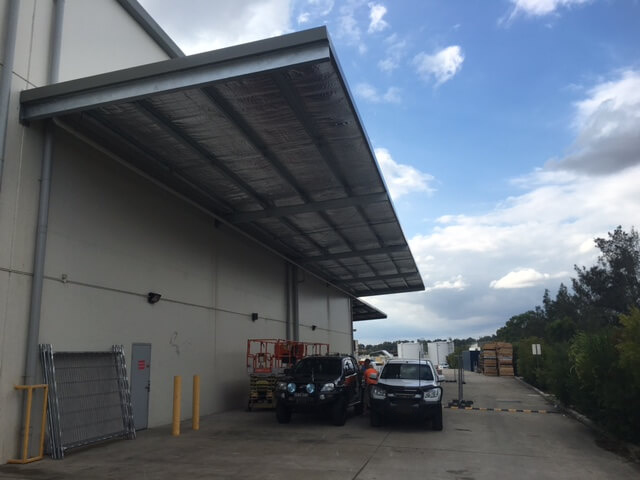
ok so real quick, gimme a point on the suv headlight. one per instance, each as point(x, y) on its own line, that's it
point(281, 386)
point(432, 395)
point(328, 387)
point(311, 388)
point(291, 387)
point(378, 393)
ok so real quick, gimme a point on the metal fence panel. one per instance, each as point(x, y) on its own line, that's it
point(90, 400)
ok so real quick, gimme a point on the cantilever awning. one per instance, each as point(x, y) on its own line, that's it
point(266, 137)
point(361, 310)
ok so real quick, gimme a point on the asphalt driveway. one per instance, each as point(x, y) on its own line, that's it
point(475, 444)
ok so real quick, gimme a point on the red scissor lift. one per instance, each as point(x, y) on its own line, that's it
point(267, 360)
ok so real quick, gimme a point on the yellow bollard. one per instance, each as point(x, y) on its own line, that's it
point(177, 387)
point(196, 403)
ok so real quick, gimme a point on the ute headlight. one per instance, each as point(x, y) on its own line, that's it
point(281, 386)
point(432, 395)
point(328, 387)
point(291, 387)
point(378, 393)
point(311, 388)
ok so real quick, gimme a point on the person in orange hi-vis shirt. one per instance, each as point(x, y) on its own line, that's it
point(370, 378)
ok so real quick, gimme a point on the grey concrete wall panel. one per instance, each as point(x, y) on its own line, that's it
point(140, 15)
point(106, 37)
point(266, 137)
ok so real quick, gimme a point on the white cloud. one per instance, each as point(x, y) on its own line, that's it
point(387, 64)
point(402, 179)
point(304, 17)
point(608, 125)
point(538, 8)
point(523, 278)
point(441, 65)
point(370, 93)
point(392, 95)
point(456, 283)
point(322, 7)
point(548, 228)
point(313, 11)
point(348, 27)
point(376, 15)
point(209, 25)
point(395, 51)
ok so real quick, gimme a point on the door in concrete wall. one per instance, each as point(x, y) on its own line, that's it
point(140, 383)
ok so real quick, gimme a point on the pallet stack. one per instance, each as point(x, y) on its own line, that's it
point(490, 359)
point(505, 359)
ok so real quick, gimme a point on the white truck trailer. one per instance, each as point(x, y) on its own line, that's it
point(438, 351)
point(410, 350)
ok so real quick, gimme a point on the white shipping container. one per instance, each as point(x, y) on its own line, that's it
point(410, 350)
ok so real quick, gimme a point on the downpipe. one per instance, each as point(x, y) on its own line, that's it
point(8, 56)
point(35, 305)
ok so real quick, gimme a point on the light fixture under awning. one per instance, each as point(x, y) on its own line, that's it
point(265, 136)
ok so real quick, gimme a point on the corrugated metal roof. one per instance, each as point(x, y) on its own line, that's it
point(264, 135)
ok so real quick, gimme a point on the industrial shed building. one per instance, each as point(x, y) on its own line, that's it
point(232, 183)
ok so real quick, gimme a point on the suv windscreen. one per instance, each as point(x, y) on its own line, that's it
point(319, 366)
point(402, 371)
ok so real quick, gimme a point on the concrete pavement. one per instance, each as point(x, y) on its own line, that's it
point(251, 445)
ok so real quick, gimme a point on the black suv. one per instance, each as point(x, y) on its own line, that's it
point(329, 382)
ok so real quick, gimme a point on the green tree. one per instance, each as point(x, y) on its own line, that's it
point(612, 286)
point(528, 324)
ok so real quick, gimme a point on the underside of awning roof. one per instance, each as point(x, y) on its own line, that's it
point(361, 310)
point(266, 137)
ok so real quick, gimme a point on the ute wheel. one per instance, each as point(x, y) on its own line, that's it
point(339, 412)
point(375, 418)
point(436, 421)
point(283, 414)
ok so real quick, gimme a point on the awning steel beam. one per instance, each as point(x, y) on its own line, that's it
point(295, 104)
point(175, 131)
point(310, 224)
point(387, 291)
point(309, 207)
point(254, 139)
point(356, 254)
point(185, 73)
point(392, 276)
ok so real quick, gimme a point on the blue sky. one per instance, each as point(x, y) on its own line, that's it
point(508, 132)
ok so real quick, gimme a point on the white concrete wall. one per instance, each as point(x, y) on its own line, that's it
point(328, 310)
point(88, 26)
point(105, 37)
point(114, 236)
